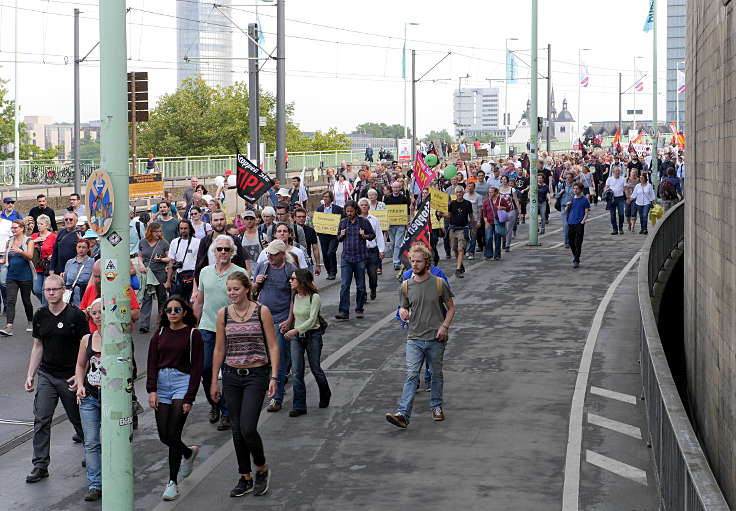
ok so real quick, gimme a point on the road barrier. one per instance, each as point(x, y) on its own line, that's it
point(684, 478)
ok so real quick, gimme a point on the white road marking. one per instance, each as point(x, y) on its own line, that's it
point(621, 427)
point(612, 394)
point(16, 422)
point(617, 467)
point(571, 485)
point(555, 245)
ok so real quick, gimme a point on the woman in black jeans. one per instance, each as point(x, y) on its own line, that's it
point(247, 351)
point(306, 336)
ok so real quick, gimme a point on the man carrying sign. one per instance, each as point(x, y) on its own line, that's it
point(353, 231)
point(328, 242)
point(396, 232)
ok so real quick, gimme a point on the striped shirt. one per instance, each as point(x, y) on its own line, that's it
point(244, 341)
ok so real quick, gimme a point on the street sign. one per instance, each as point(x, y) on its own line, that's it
point(404, 149)
point(146, 185)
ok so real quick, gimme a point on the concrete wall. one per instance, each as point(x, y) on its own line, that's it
point(710, 233)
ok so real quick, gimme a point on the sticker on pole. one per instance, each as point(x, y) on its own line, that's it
point(114, 238)
point(100, 201)
point(252, 182)
point(111, 270)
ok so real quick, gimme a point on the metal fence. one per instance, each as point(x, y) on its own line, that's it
point(685, 480)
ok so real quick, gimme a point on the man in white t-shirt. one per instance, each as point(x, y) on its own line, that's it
point(183, 254)
point(616, 184)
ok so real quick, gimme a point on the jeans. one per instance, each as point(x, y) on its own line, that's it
point(147, 305)
point(397, 236)
point(617, 206)
point(471, 244)
point(38, 288)
point(172, 384)
point(577, 231)
point(311, 343)
point(347, 270)
point(49, 390)
point(245, 394)
point(328, 245)
point(447, 242)
point(643, 215)
point(26, 288)
point(493, 243)
point(434, 238)
point(89, 411)
point(284, 362)
point(543, 215)
point(371, 267)
point(480, 234)
point(183, 289)
point(417, 351)
point(510, 225)
point(565, 227)
point(208, 341)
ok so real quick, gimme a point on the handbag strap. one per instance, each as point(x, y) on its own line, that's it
point(81, 267)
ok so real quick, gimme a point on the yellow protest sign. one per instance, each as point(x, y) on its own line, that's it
point(382, 216)
point(436, 223)
point(397, 214)
point(326, 223)
point(438, 200)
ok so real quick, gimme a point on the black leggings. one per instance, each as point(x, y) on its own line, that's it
point(26, 288)
point(170, 421)
point(244, 395)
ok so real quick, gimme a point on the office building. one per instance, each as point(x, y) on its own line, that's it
point(45, 133)
point(476, 112)
point(676, 26)
point(204, 35)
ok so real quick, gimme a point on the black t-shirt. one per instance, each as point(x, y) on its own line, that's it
point(521, 184)
point(460, 213)
point(311, 238)
point(400, 199)
point(60, 336)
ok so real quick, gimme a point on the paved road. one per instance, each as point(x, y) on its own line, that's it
point(511, 369)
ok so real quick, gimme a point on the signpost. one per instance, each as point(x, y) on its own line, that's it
point(137, 108)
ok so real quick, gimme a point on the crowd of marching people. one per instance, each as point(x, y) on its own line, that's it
point(238, 310)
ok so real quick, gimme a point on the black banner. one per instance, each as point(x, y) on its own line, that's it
point(419, 230)
point(252, 181)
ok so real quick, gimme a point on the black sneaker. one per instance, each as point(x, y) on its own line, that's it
point(77, 439)
point(263, 480)
point(397, 420)
point(614, 233)
point(373, 294)
point(224, 424)
point(243, 487)
point(93, 494)
point(214, 414)
point(342, 317)
point(36, 475)
point(459, 274)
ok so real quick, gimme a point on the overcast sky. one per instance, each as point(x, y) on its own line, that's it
point(345, 78)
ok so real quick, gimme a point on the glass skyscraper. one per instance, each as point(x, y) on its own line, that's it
point(676, 26)
point(205, 35)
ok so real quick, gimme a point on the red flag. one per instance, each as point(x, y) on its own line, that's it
point(423, 173)
point(617, 137)
point(639, 137)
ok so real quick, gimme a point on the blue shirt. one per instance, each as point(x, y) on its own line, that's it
point(577, 210)
point(434, 270)
point(353, 247)
point(19, 268)
point(12, 216)
point(276, 289)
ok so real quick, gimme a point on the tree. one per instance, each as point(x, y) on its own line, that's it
point(89, 149)
point(7, 136)
point(199, 120)
point(381, 130)
point(438, 136)
point(330, 141)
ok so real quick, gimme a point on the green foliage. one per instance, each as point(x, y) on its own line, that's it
point(199, 120)
point(438, 136)
point(89, 149)
point(330, 140)
point(381, 130)
point(33, 152)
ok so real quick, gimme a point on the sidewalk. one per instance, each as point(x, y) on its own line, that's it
point(510, 369)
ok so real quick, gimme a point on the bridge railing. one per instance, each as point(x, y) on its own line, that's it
point(685, 480)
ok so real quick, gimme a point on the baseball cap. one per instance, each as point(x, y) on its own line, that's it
point(82, 220)
point(283, 191)
point(276, 247)
point(249, 213)
point(9, 200)
point(268, 211)
point(90, 234)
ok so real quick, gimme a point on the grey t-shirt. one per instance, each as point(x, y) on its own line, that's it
point(424, 306)
point(170, 228)
point(147, 251)
point(276, 289)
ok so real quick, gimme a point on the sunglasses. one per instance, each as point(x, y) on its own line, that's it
point(68, 219)
point(223, 249)
point(174, 310)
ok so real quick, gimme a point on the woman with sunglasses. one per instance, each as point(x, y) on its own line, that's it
point(201, 228)
point(306, 336)
point(88, 377)
point(248, 353)
point(20, 273)
point(175, 364)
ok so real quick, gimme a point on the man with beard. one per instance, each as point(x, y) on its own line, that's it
point(183, 254)
point(205, 257)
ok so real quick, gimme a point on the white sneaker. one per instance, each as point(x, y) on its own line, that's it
point(29, 329)
point(188, 464)
point(171, 492)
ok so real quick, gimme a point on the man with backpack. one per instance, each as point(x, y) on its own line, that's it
point(421, 300)
point(670, 190)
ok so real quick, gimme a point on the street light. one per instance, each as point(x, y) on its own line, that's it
point(677, 94)
point(506, 95)
point(636, 82)
point(580, 65)
point(403, 71)
point(459, 102)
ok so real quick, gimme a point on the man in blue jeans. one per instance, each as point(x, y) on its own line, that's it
point(273, 283)
point(616, 184)
point(353, 232)
point(565, 193)
point(421, 301)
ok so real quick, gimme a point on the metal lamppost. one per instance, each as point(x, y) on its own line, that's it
point(580, 66)
point(403, 74)
point(506, 97)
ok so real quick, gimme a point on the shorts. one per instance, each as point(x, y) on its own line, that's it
point(458, 240)
point(172, 384)
point(630, 209)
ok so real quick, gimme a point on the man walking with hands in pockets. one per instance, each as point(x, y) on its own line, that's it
point(426, 303)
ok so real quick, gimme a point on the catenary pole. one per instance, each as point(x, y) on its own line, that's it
point(413, 101)
point(549, 94)
point(16, 121)
point(280, 92)
point(253, 99)
point(533, 241)
point(655, 165)
point(75, 135)
point(619, 105)
point(117, 383)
